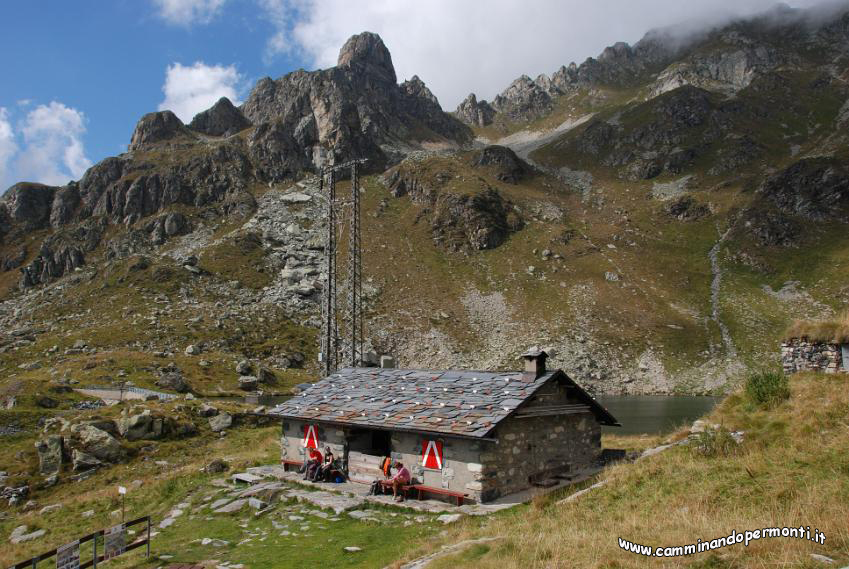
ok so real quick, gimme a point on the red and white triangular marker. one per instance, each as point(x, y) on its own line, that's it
point(310, 437)
point(432, 455)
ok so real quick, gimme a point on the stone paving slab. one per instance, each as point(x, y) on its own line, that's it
point(337, 502)
point(330, 492)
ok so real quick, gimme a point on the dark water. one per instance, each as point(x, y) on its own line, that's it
point(654, 414)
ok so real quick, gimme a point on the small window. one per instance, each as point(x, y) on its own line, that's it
point(844, 356)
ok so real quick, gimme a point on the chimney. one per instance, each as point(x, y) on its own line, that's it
point(534, 363)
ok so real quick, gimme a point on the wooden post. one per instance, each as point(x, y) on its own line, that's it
point(94, 551)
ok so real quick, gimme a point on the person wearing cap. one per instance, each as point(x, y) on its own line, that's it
point(401, 478)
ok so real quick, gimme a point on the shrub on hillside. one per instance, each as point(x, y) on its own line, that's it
point(714, 442)
point(768, 387)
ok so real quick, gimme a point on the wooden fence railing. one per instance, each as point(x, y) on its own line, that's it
point(70, 553)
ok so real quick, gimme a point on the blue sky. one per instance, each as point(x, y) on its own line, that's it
point(77, 75)
point(108, 61)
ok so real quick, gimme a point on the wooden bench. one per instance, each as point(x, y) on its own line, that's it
point(422, 489)
point(387, 487)
point(297, 464)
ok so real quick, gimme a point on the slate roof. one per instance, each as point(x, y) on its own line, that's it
point(454, 402)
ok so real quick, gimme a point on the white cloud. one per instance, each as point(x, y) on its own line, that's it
point(459, 47)
point(192, 89)
point(8, 147)
point(188, 12)
point(52, 151)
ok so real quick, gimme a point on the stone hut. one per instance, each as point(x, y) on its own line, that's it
point(482, 433)
point(802, 354)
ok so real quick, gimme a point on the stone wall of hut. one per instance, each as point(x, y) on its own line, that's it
point(799, 354)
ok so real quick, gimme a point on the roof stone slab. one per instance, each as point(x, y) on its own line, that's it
point(470, 403)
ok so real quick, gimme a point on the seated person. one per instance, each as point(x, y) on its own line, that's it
point(312, 465)
point(401, 478)
point(324, 470)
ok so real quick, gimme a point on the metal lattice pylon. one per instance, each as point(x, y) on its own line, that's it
point(354, 320)
point(349, 352)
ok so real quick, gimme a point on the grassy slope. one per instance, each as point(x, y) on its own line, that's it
point(163, 487)
point(666, 274)
point(791, 470)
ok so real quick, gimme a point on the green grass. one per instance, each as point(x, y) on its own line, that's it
point(160, 489)
point(790, 470)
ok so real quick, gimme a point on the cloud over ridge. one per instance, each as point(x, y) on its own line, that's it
point(190, 89)
point(459, 47)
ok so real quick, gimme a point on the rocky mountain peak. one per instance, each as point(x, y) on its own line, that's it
point(367, 51)
point(415, 87)
point(155, 127)
point(523, 99)
point(222, 119)
point(474, 112)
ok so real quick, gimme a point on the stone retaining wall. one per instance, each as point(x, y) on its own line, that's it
point(801, 355)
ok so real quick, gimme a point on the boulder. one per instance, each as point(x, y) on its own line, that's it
point(107, 425)
point(143, 427)
point(100, 444)
point(266, 376)
point(248, 383)
point(50, 454)
point(217, 466)
point(83, 461)
point(175, 381)
point(244, 367)
point(206, 410)
point(20, 535)
point(220, 422)
point(192, 350)
point(46, 402)
point(505, 165)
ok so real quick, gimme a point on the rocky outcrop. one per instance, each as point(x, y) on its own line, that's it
point(158, 127)
point(99, 444)
point(222, 119)
point(28, 205)
point(62, 253)
point(814, 188)
point(524, 99)
point(502, 162)
point(220, 422)
point(474, 112)
point(82, 461)
point(666, 134)
point(144, 426)
point(473, 223)
point(686, 208)
point(367, 54)
point(459, 222)
point(726, 70)
point(166, 226)
point(772, 228)
point(356, 108)
point(51, 452)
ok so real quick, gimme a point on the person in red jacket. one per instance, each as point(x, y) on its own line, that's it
point(313, 464)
